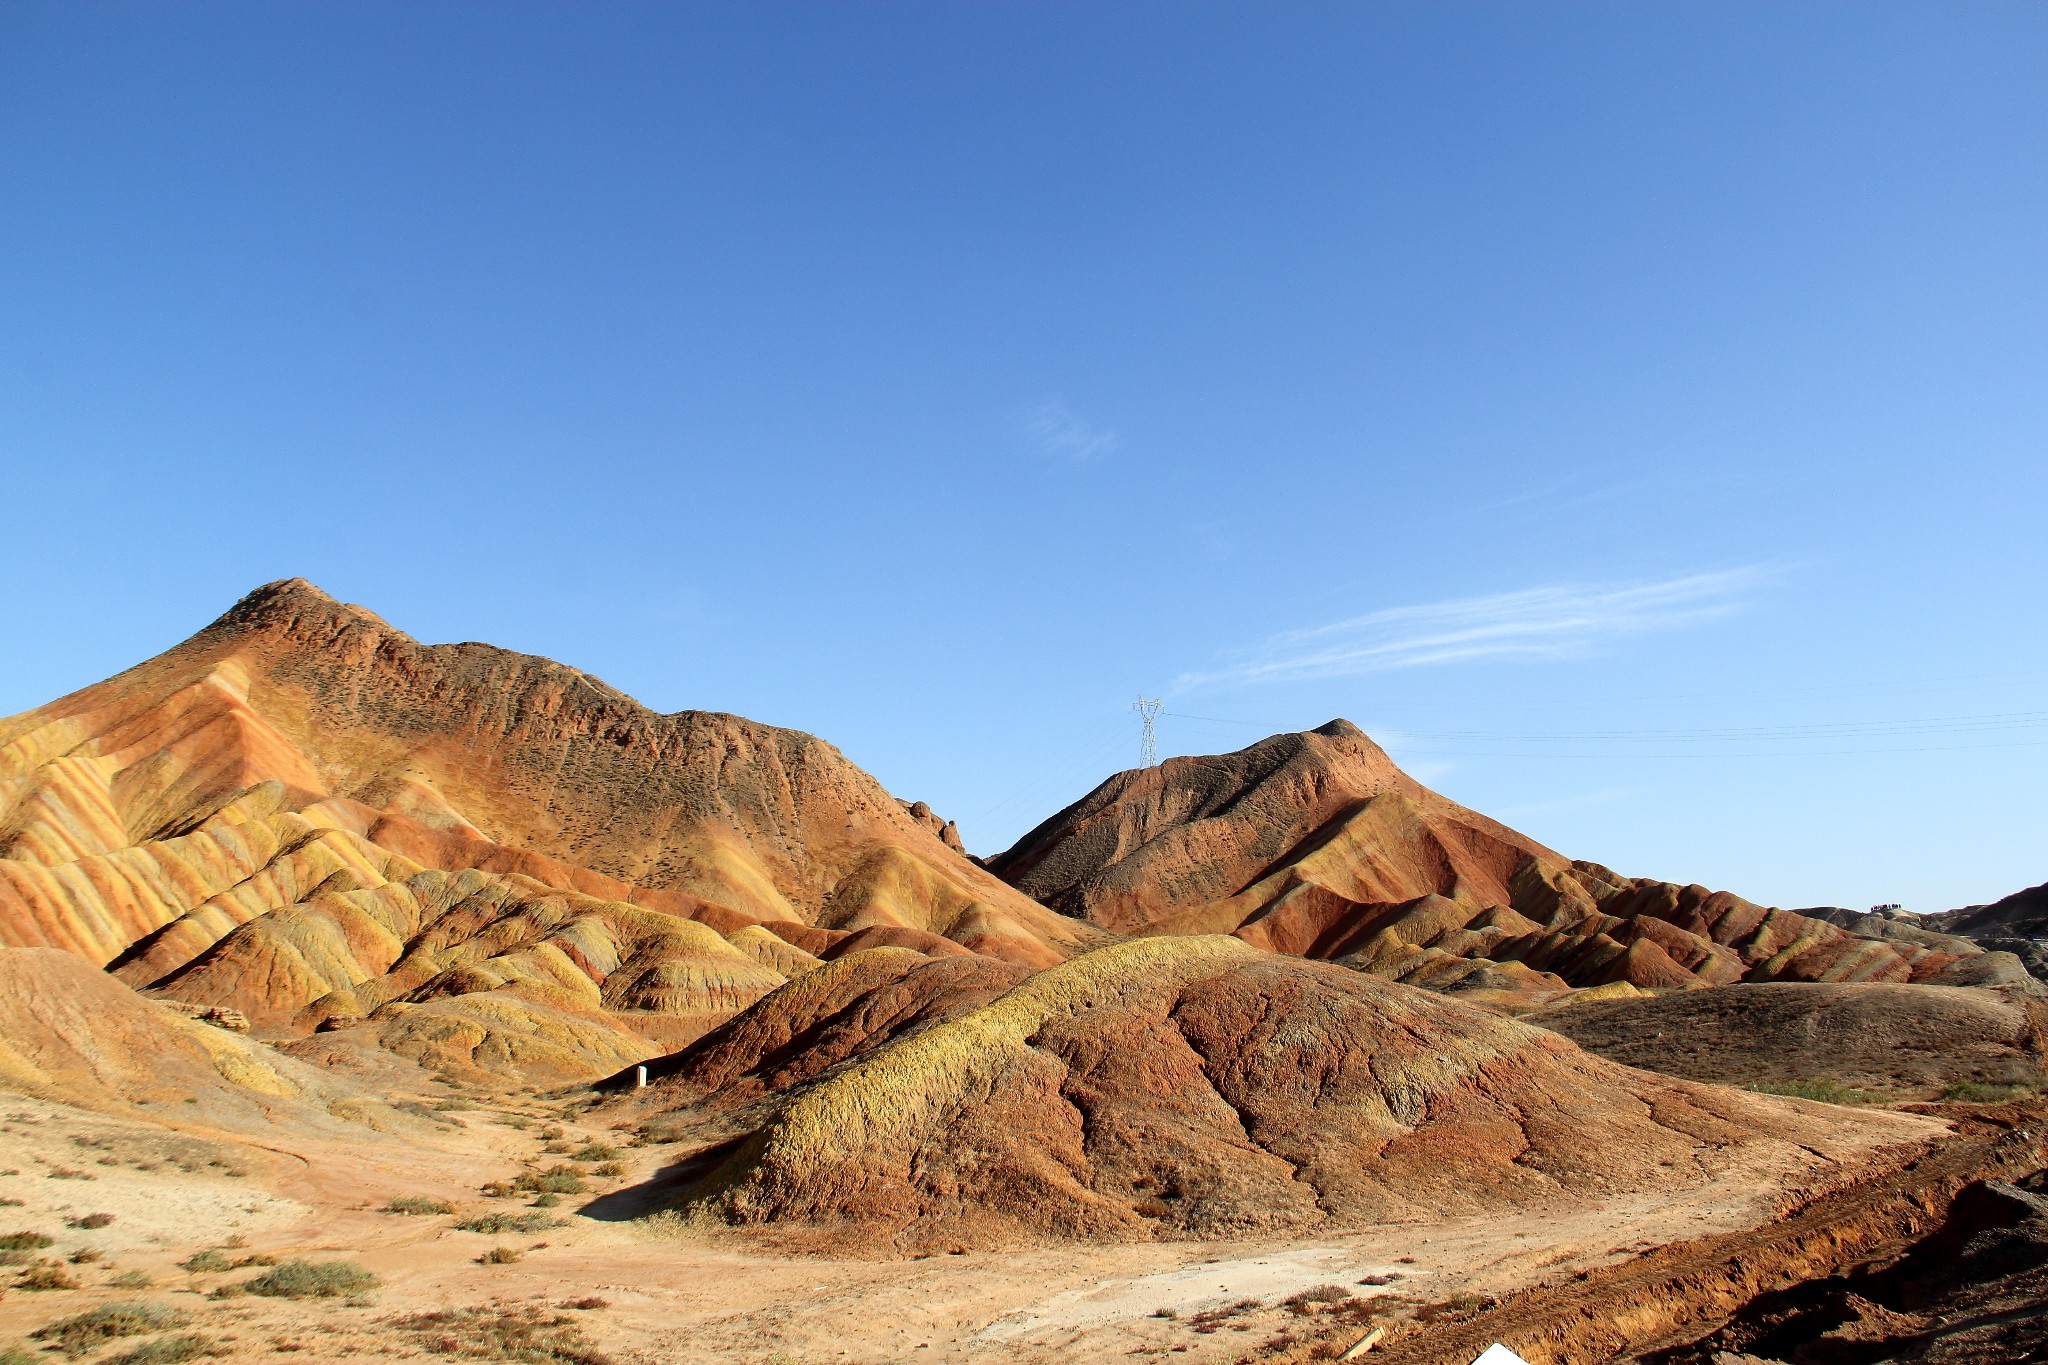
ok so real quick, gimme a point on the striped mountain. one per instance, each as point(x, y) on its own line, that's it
point(1316, 844)
point(491, 858)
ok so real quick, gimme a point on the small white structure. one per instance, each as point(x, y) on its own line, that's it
point(1498, 1354)
point(639, 1078)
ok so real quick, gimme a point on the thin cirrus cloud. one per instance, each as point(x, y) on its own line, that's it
point(1058, 430)
point(1560, 622)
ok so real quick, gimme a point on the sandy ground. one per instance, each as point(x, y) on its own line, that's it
point(680, 1296)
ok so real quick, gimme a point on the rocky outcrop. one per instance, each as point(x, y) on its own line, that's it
point(1315, 844)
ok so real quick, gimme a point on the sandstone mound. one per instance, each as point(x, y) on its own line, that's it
point(73, 1034)
point(1316, 844)
point(1903, 1041)
point(306, 814)
point(1174, 1087)
point(844, 1009)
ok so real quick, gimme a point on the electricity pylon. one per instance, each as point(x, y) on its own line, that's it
point(1149, 708)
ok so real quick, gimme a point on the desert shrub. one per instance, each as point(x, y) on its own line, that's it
point(1977, 1092)
point(93, 1328)
point(1826, 1091)
point(24, 1241)
point(500, 1256)
point(1167, 1313)
point(557, 1180)
point(165, 1351)
point(499, 1189)
point(130, 1279)
point(14, 1355)
point(532, 1336)
point(546, 1201)
point(586, 1303)
point(92, 1220)
point(302, 1279)
point(207, 1262)
point(610, 1170)
point(595, 1151)
point(45, 1275)
point(551, 1133)
point(1307, 1299)
point(83, 1256)
point(418, 1203)
point(67, 1173)
point(508, 1222)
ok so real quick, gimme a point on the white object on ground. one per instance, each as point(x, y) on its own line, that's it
point(1364, 1344)
point(1498, 1354)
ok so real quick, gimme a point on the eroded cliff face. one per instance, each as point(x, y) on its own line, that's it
point(306, 813)
point(1316, 844)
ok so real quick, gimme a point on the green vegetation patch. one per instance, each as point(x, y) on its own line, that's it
point(302, 1279)
point(1827, 1092)
point(1977, 1092)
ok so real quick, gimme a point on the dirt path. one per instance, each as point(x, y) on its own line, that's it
point(678, 1296)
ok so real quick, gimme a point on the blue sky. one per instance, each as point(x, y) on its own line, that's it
point(1632, 414)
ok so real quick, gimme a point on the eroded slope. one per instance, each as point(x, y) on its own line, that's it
point(1198, 1087)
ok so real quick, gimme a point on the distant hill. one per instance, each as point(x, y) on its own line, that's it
point(1316, 844)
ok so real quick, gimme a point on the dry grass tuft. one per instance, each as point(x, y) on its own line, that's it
point(166, 1351)
point(302, 1279)
point(88, 1331)
point(528, 1335)
point(508, 1222)
point(45, 1275)
point(418, 1204)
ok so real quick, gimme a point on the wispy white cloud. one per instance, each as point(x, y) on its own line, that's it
point(1565, 621)
point(1058, 430)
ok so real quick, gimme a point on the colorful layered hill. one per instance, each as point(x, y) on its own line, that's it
point(1176, 1087)
point(1316, 844)
point(305, 814)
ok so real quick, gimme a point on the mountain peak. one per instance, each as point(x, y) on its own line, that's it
point(291, 604)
